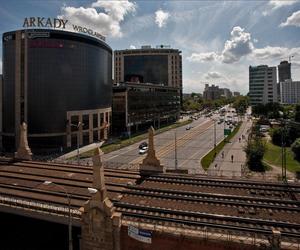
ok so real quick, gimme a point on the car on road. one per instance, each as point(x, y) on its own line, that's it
point(143, 144)
point(188, 127)
point(143, 150)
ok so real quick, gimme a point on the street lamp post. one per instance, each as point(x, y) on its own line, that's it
point(77, 126)
point(215, 136)
point(48, 183)
point(176, 162)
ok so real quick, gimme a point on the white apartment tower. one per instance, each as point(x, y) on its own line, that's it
point(262, 84)
point(290, 92)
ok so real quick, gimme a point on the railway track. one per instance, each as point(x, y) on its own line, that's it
point(254, 186)
point(206, 219)
point(232, 200)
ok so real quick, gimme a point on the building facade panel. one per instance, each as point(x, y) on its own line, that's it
point(290, 92)
point(48, 73)
point(138, 106)
point(161, 65)
point(262, 84)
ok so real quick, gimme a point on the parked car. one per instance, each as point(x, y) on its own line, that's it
point(188, 127)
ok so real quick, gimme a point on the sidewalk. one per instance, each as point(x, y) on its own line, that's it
point(225, 166)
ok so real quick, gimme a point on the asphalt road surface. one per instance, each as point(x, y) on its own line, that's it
point(191, 146)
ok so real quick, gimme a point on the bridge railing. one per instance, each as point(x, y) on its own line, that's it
point(38, 206)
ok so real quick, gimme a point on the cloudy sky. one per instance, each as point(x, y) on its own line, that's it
point(218, 39)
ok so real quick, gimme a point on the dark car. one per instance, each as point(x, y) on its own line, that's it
point(143, 145)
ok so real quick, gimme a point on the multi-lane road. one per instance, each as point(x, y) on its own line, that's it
point(191, 145)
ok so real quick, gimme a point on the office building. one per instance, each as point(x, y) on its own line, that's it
point(226, 93)
point(236, 93)
point(52, 80)
point(284, 71)
point(290, 92)
point(137, 106)
point(262, 84)
point(161, 66)
point(212, 92)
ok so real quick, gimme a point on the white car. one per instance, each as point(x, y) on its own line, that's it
point(143, 150)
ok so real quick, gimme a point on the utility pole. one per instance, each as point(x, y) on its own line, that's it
point(176, 162)
point(283, 152)
point(215, 137)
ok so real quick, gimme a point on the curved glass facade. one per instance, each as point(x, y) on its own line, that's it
point(57, 72)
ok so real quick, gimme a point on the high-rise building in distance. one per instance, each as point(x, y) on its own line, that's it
point(212, 92)
point(290, 92)
point(262, 84)
point(161, 65)
point(284, 71)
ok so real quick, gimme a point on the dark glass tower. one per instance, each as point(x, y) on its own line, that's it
point(50, 79)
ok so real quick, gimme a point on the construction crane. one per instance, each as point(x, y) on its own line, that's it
point(289, 58)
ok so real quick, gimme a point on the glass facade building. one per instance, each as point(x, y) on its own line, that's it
point(50, 76)
point(148, 68)
point(138, 106)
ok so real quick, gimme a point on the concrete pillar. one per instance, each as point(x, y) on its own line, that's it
point(80, 129)
point(24, 152)
point(91, 125)
point(1, 114)
point(151, 164)
point(99, 127)
point(275, 240)
point(17, 88)
point(101, 224)
point(68, 130)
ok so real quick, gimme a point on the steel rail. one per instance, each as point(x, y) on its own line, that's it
point(214, 183)
point(213, 195)
point(212, 200)
point(208, 224)
point(263, 222)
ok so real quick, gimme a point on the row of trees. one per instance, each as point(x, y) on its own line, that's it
point(197, 103)
point(276, 111)
point(255, 150)
point(287, 135)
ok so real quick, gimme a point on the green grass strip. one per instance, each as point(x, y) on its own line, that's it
point(209, 158)
point(273, 156)
point(134, 139)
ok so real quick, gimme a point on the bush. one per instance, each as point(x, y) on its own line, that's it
point(276, 136)
point(255, 150)
point(289, 135)
point(296, 149)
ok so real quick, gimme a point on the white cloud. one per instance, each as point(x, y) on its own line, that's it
point(255, 40)
point(161, 18)
point(213, 75)
point(276, 4)
point(293, 20)
point(132, 47)
point(203, 57)
point(105, 21)
point(275, 54)
point(270, 52)
point(239, 45)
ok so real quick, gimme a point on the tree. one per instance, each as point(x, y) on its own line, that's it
point(255, 150)
point(288, 134)
point(241, 104)
point(297, 113)
point(296, 149)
